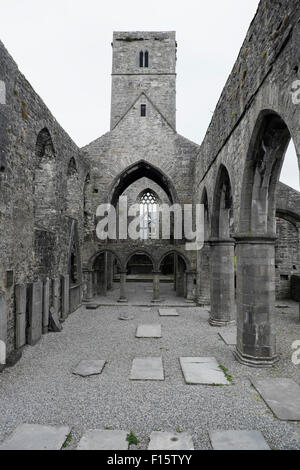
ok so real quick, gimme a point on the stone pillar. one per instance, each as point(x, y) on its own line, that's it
point(123, 298)
point(190, 286)
point(65, 296)
point(256, 344)
point(3, 330)
point(46, 306)
point(102, 276)
point(203, 275)
point(180, 290)
point(156, 279)
point(110, 274)
point(222, 282)
point(35, 313)
point(21, 302)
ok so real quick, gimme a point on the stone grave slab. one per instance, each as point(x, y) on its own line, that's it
point(148, 331)
point(21, 301)
point(89, 367)
point(147, 368)
point(104, 440)
point(238, 440)
point(54, 324)
point(35, 313)
point(170, 441)
point(229, 337)
point(36, 437)
point(46, 305)
point(168, 312)
point(92, 306)
point(65, 296)
point(282, 396)
point(202, 370)
point(3, 329)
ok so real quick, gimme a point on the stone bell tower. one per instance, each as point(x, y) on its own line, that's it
point(144, 62)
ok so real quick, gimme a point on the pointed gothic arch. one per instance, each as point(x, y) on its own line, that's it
point(222, 214)
point(139, 170)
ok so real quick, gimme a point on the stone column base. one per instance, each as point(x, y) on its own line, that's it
point(257, 362)
point(221, 323)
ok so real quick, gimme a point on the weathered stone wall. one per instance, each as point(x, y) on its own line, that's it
point(33, 195)
point(149, 139)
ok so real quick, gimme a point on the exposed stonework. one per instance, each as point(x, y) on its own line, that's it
point(50, 189)
point(34, 222)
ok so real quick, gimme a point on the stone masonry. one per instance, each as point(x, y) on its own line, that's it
point(50, 256)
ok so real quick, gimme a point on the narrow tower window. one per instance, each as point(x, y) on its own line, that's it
point(146, 59)
point(143, 110)
point(141, 59)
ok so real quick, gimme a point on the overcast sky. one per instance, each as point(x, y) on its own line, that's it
point(63, 47)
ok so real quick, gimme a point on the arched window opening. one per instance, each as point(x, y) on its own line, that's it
point(204, 201)
point(149, 215)
point(44, 181)
point(87, 213)
point(73, 190)
point(139, 264)
point(269, 143)
point(146, 59)
point(222, 221)
point(72, 169)
point(141, 59)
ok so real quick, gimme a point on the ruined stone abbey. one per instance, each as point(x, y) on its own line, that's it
point(51, 260)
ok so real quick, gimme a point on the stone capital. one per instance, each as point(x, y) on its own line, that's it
point(221, 241)
point(255, 239)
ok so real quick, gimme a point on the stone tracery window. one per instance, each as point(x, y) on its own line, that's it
point(149, 214)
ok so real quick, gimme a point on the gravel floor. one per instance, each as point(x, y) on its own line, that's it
point(41, 388)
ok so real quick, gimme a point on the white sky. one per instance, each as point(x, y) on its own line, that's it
point(63, 47)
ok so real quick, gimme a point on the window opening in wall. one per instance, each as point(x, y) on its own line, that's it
point(143, 110)
point(149, 213)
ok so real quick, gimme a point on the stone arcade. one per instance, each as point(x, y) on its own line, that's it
point(50, 258)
